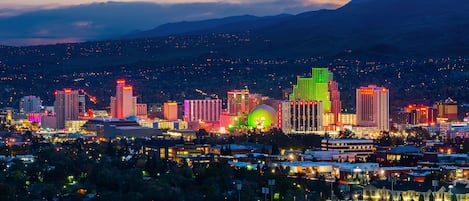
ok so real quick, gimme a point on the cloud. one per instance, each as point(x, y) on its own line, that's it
point(48, 4)
point(113, 19)
point(83, 23)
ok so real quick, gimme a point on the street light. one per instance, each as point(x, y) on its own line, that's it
point(238, 187)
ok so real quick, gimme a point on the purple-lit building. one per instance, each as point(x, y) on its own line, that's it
point(207, 110)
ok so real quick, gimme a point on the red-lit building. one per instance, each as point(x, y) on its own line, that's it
point(418, 115)
point(373, 107)
point(124, 104)
point(336, 104)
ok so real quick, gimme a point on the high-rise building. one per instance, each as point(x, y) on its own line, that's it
point(66, 106)
point(447, 109)
point(300, 116)
point(207, 110)
point(336, 104)
point(30, 104)
point(124, 104)
point(315, 87)
point(170, 110)
point(373, 107)
point(238, 101)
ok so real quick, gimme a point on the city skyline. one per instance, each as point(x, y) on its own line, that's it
point(209, 100)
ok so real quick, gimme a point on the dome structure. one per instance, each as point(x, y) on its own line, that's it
point(262, 117)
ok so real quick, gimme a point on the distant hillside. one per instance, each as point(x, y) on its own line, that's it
point(244, 22)
point(378, 28)
point(369, 28)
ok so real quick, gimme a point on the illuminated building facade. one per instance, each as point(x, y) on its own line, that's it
point(373, 107)
point(141, 110)
point(315, 87)
point(66, 106)
point(170, 111)
point(30, 104)
point(207, 110)
point(336, 104)
point(361, 147)
point(124, 104)
point(417, 115)
point(238, 101)
point(300, 116)
point(447, 110)
point(263, 117)
point(348, 119)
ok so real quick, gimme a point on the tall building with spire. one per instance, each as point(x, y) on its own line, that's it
point(315, 87)
point(124, 104)
point(66, 106)
point(373, 107)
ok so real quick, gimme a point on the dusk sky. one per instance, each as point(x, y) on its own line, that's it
point(26, 22)
point(48, 4)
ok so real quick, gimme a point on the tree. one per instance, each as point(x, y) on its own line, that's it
point(421, 198)
point(453, 197)
point(431, 198)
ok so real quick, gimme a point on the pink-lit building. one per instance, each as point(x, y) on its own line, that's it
point(207, 110)
point(124, 104)
point(336, 104)
point(373, 107)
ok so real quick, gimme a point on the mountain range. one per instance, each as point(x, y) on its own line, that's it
point(99, 21)
point(375, 28)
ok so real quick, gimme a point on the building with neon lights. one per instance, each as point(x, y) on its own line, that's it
point(298, 116)
point(66, 106)
point(170, 111)
point(141, 110)
point(263, 117)
point(124, 104)
point(30, 104)
point(314, 88)
point(373, 107)
point(207, 110)
point(447, 109)
point(417, 115)
point(238, 101)
point(336, 104)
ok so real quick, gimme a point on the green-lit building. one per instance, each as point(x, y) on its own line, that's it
point(314, 88)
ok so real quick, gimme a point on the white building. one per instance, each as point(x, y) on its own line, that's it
point(299, 116)
point(208, 110)
point(361, 147)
